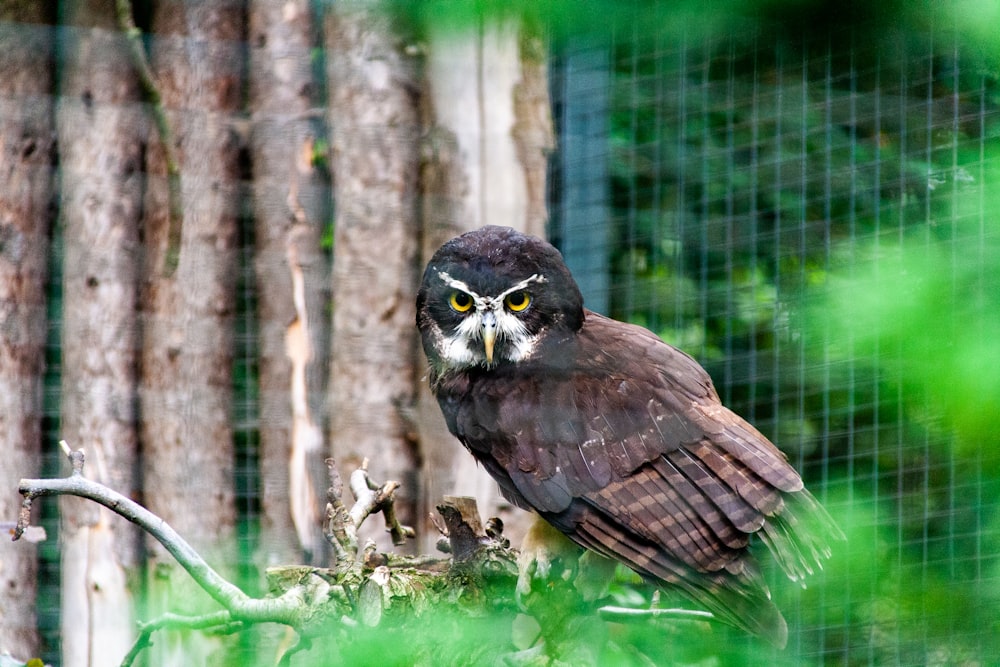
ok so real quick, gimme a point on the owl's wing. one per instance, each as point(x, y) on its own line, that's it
point(623, 444)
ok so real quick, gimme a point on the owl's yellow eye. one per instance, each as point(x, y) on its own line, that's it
point(460, 302)
point(517, 301)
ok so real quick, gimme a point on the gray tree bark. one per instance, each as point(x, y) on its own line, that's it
point(490, 131)
point(26, 148)
point(186, 380)
point(101, 132)
point(291, 210)
point(375, 125)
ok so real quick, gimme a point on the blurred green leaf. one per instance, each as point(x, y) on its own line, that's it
point(929, 312)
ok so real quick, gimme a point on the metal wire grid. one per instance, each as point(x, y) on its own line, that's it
point(732, 157)
point(748, 167)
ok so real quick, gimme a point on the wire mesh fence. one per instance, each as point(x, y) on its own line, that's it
point(812, 214)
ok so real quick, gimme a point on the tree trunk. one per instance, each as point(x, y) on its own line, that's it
point(101, 134)
point(375, 128)
point(26, 148)
point(186, 379)
point(490, 132)
point(291, 207)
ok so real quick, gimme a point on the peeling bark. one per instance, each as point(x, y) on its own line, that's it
point(307, 440)
point(291, 208)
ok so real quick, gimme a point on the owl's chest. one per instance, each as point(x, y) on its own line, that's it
point(494, 412)
point(472, 405)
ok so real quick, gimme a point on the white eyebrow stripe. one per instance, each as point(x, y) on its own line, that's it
point(480, 302)
point(521, 285)
point(488, 303)
point(457, 284)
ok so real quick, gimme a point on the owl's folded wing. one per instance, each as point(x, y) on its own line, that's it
point(636, 458)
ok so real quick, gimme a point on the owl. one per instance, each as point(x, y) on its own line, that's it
point(612, 436)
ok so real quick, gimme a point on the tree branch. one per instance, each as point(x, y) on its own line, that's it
point(335, 527)
point(479, 578)
point(629, 614)
point(76, 485)
point(219, 622)
point(285, 609)
point(298, 606)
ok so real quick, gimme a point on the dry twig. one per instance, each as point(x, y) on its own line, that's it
point(219, 622)
point(370, 498)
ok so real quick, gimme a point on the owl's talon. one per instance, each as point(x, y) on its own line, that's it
point(547, 558)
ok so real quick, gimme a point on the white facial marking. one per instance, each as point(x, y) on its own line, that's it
point(465, 346)
point(523, 348)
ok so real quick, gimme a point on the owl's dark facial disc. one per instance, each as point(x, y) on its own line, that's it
point(493, 296)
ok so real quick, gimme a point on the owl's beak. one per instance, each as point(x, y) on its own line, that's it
point(489, 335)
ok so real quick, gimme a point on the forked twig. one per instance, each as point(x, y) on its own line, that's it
point(370, 498)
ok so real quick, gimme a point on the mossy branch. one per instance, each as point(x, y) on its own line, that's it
point(306, 599)
point(151, 88)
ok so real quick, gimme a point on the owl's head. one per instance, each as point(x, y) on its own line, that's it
point(495, 296)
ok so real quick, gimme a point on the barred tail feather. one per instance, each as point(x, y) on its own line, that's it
point(799, 537)
point(738, 599)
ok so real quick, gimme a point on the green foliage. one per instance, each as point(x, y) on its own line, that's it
point(921, 311)
point(471, 615)
point(934, 308)
point(813, 213)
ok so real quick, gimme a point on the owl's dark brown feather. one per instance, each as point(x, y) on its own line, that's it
point(621, 442)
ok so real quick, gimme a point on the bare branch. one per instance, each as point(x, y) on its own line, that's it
point(304, 643)
point(75, 457)
point(30, 533)
point(397, 531)
point(285, 609)
point(625, 614)
point(76, 485)
point(345, 545)
point(305, 598)
point(219, 622)
point(23, 519)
